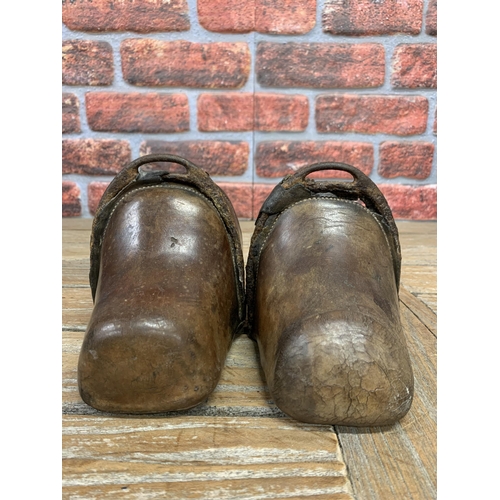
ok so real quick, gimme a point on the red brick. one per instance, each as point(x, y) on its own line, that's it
point(371, 17)
point(320, 65)
point(70, 113)
point(71, 204)
point(411, 202)
point(94, 156)
point(281, 113)
point(241, 196)
point(406, 159)
point(95, 191)
point(137, 112)
point(431, 18)
point(216, 157)
point(285, 17)
point(147, 62)
point(85, 62)
point(281, 17)
point(279, 158)
point(244, 111)
point(141, 16)
point(217, 112)
point(414, 66)
point(435, 126)
point(246, 198)
point(372, 114)
point(227, 16)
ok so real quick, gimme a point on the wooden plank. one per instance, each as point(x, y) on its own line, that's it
point(423, 228)
point(383, 463)
point(430, 299)
point(75, 252)
point(419, 278)
point(76, 243)
point(420, 309)
point(418, 289)
point(400, 461)
point(76, 298)
point(77, 223)
point(76, 236)
point(77, 307)
point(201, 457)
point(75, 272)
point(419, 256)
point(419, 270)
point(418, 239)
point(395, 462)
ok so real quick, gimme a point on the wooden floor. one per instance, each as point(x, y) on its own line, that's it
point(238, 445)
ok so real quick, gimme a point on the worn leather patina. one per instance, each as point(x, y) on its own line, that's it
point(322, 292)
point(167, 282)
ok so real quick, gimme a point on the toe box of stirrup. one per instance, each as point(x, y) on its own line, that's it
point(350, 371)
point(144, 366)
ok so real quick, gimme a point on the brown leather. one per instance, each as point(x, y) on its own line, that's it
point(168, 283)
point(322, 292)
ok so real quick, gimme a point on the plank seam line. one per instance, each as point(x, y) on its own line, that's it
point(420, 320)
point(347, 469)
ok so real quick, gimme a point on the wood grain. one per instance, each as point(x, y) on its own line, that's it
point(77, 307)
point(207, 457)
point(75, 273)
point(238, 444)
point(422, 311)
point(419, 252)
point(400, 461)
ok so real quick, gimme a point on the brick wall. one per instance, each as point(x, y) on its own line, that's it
point(251, 90)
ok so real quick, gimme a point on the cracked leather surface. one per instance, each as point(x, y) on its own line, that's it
point(327, 317)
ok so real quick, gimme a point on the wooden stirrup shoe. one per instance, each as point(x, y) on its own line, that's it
point(167, 281)
point(322, 293)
